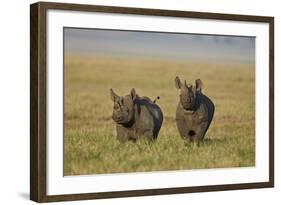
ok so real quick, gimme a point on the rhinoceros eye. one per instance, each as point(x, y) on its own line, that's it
point(115, 107)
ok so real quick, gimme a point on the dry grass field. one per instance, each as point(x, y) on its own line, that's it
point(90, 144)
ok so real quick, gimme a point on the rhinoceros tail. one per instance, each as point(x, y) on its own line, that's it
point(157, 98)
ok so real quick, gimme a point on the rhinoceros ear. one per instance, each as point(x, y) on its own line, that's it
point(178, 83)
point(198, 85)
point(133, 94)
point(113, 95)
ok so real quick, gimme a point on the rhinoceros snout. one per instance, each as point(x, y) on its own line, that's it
point(116, 117)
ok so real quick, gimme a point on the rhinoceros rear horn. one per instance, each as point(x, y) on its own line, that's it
point(113, 95)
point(198, 84)
point(133, 94)
point(178, 83)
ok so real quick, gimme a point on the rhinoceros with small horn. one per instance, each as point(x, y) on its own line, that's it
point(195, 111)
point(136, 117)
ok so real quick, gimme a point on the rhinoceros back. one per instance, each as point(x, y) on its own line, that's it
point(203, 99)
point(154, 111)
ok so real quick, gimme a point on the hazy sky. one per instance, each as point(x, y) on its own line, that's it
point(160, 45)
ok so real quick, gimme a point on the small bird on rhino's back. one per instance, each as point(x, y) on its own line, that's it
point(195, 111)
point(136, 117)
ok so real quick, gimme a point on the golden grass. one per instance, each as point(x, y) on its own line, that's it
point(90, 145)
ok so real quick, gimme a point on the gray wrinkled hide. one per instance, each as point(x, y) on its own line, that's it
point(145, 122)
point(194, 122)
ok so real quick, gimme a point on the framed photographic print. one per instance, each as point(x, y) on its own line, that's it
point(134, 102)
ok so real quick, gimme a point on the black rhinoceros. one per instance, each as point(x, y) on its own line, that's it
point(136, 117)
point(195, 111)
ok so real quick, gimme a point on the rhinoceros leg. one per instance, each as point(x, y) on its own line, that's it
point(145, 134)
point(183, 130)
point(149, 136)
point(123, 134)
point(201, 131)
